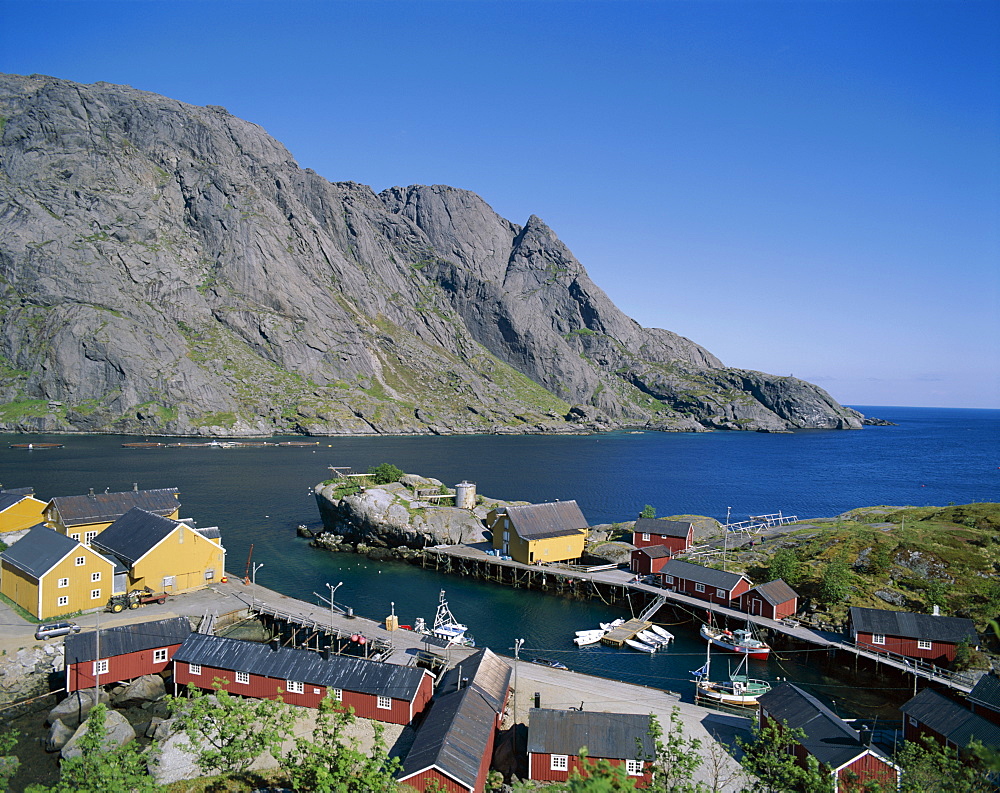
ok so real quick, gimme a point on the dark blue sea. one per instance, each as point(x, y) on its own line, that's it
point(935, 456)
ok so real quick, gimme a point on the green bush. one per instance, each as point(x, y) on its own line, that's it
point(384, 474)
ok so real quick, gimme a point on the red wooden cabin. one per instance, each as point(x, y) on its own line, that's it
point(947, 722)
point(774, 600)
point(675, 535)
point(928, 636)
point(649, 559)
point(704, 583)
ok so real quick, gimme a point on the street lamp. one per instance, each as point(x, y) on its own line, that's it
point(253, 596)
point(517, 649)
point(333, 591)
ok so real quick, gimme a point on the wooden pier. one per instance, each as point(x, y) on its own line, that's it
point(627, 630)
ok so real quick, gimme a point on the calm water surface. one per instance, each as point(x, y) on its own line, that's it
point(259, 496)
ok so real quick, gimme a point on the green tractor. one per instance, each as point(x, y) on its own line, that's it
point(134, 599)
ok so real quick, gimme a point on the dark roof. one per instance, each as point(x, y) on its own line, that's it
point(654, 551)
point(552, 519)
point(986, 692)
point(719, 579)
point(827, 737)
point(304, 666)
point(39, 550)
point(134, 534)
point(18, 491)
point(8, 499)
point(124, 639)
point(615, 736)
point(946, 717)
point(951, 630)
point(105, 507)
point(453, 738)
point(210, 532)
point(775, 592)
point(668, 528)
point(486, 672)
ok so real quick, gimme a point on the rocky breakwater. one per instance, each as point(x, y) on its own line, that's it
point(27, 672)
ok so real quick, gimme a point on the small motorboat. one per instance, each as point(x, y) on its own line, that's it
point(549, 663)
point(583, 638)
point(652, 639)
point(663, 633)
point(740, 641)
point(641, 646)
point(609, 626)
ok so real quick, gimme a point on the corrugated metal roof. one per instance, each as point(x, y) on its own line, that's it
point(913, 626)
point(124, 639)
point(133, 534)
point(304, 666)
point(827, 737)
point(104, 507)
point(553, 519)
point(946, 717)
point(454, 737)
point(8, 499)
point(775, 592)
point(210, 532)
point(987, 692)
point(616, 736)
point(655, 551)
point(668, 528)
point(484, 671)
point(39, 550)
point(719, 579)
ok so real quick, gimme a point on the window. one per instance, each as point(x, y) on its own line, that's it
point(645, 536)
point(62, 601)
point(317, 691)
point(294, 687)
point(243, 678)
point(101, 667)
point(633, 767)
point(81, 561)
point(338, 694)
point(669, 579)
point(160, 656)
point(923, 644)
point(720, 593)
point(75, 536)
point(168, 581)
point(878, 638)
point(95, 576)
point(699, 587)
point(194, 669)
point(95, 594)
point(559, 762)
point(88, 537)
point(63, 583)
point(385, 703)
point(209, 575)
point(913, 721)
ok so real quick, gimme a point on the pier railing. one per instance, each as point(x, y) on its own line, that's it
point(963, 681)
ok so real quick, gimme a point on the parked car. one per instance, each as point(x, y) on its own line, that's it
point(51, 629)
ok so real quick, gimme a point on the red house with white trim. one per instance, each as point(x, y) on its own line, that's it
point(675, 535)
point(947, 722)
point(704, 583)
point(774, 600)
point(649, 559)
point(927, 636)
point(555, 738)
point(123, 652)
point(376, 690)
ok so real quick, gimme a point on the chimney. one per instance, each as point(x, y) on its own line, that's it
point(538, 700)
point(936, 611)
point(865, 734)
point(135, 487)
point(91, 493)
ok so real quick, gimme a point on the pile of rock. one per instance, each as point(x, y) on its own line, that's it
point(26, 673)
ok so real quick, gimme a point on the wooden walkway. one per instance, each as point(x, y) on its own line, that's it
point(616, 637)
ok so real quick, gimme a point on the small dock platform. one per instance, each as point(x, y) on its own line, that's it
point(627, 630)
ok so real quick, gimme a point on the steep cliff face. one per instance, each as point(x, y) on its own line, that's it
point(166, 268)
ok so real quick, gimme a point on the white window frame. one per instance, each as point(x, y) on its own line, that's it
point(913, 721)
point(80, 561)
point(95, 594)
point(62, 600)
point(194, 669)
point(699, 587)
point(75, 536)
point(88, 537)
point(243, 678)
point(669, 579)
point(559, 762)
point(160, 655)
point(210, 575)
point(338, 694)
point(633, 767)
point(101, 667)
point(295, 687)
point(94, 577)
point(62, 583)
point(923, 644)
point(878, 638)
point(384, 703)
point(645, 538)
point(720, 593)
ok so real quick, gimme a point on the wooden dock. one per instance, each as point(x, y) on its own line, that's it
point(627, 630)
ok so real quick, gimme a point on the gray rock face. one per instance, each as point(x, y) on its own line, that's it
point(76, 707)
point(58, 737)
point(143, 689)
point(118, 732)
point(166, 268)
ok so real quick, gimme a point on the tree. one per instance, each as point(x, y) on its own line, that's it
point(8, 762)
point(384, 474)
point(929, 767)
point(768, 758)
point(331, 762)
point(596, 777)
point(648, 511)
point(228, 733)
point(677, 757)
point(880, 559)
point(835, 585)
point(785, 565)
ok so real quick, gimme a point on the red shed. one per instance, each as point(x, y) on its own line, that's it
point(676, 535)
point(984, 698)
point(555, 738)
point(950, 724)
point(376, 690)
point(704, 583)
point(649, 559)
point(123, 652)
point(929, 636)
point(774, 600)
point(849, 761)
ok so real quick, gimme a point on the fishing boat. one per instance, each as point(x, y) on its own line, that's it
point(739, 690)
point(740, 641)
point(550, 663)
point(447, 628)
point(641, 646)
point(583, 638)
point(663, 633)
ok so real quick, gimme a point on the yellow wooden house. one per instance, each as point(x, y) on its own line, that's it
point(84, 517)
point(19, 509)
point(163, 554)
point(50, 575)
point(538, 533)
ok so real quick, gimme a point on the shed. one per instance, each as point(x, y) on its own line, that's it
point(531, 533)
point(677, 535)
point(704, 583)
point(649, 559)
point(774, 600)
point(929, 636)
point(950, 724)
point(984, 698)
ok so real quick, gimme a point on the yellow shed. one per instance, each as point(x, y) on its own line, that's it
point(551, 532)
point(84, 517)
point(19, 509)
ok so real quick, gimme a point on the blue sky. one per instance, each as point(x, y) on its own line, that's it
point(807, 188)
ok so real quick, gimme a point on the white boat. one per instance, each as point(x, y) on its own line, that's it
point(641, 646)
point(740, 641)
point(591, 631)
point(447, 628)
point(738, 690)
point(650, 638)
point(583, 638)
point(608, 626)
point(663, 633)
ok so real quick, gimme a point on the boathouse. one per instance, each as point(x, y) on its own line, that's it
point(984, 699)
point(947, 722)
point(676, 535)
point(19, 510)
point(538, 533)
point(123, 652)
point(704, 583)
point(48, 574)
point(484, 671)
point(927, 636)
point(555, 738)
point(649, 560)
point(163, 554)
point(774, 600)
point(84, 517)
point(376, 690)
point(850, 761)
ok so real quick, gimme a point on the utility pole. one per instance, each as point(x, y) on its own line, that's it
point(517, 650)
point(333, 591)
point(253, 597)
point(725, 541)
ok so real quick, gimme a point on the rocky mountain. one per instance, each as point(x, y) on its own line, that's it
point(170, 269)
